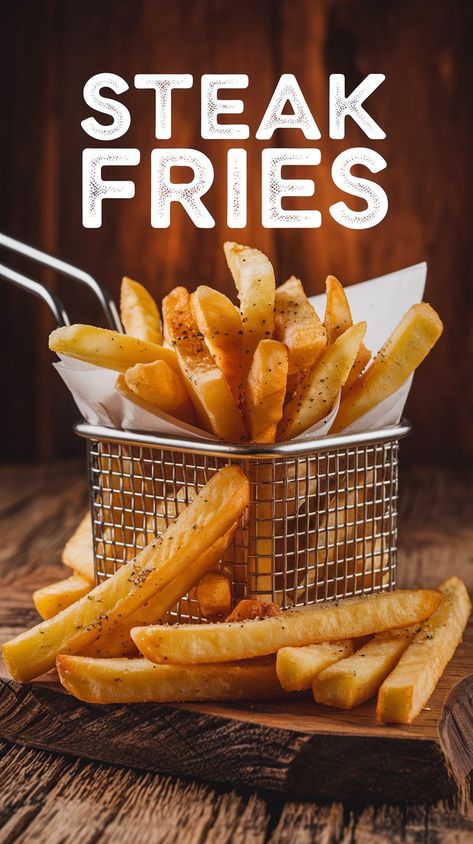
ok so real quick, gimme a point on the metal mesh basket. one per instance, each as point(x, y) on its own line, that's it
point(321, 523)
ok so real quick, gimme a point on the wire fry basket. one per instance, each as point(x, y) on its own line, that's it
point(322, 520)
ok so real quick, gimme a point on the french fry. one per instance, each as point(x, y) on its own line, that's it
point(214, 595)
point(158, 385)
point(208, 388)
point(337, 320)
point(253, 275)
point(297, 667)
point(265, 389)
point(140, 681)
point(117, 641)
point(228, 641)
point(49, 600)
point(212, 513)
point(297, 325)
point(139, 312)
point(406, 348)
point(357, 678)
point(106, 348)
point(316, 393)
point(78, 552)
point(408, 688)
point(253, 608)
point(220, 322)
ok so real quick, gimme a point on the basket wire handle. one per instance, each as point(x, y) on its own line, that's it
point(63, 268)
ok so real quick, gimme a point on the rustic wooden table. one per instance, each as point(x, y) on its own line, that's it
point(51, 798)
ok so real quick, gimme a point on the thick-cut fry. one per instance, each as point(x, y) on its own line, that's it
point(219, 320)
point(337, 320)
point(253, 275)
point(117, 641)
point(140, 681)
point(406, 348)
point(297, 325)
point(297, 667)
point(357, 678)
point(265, 390)
point(107, 348)
point(408, 688)
point(252, 608)
point(214, 595)
point(49, 600)
point(315, 395)
point(213, 401)
point(139, 312)
point(78, 553)
point(212, 513)
point(157, 384)
point(322, 623)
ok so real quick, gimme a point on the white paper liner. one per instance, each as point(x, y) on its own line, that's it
point(381, 302)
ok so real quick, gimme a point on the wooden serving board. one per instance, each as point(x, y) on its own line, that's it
point(295, 746)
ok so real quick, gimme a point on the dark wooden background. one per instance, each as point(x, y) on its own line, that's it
point(49, 49)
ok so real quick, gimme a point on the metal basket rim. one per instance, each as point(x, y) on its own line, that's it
point(213, 448)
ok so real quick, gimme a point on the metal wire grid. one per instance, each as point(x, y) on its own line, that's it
point(319, 526)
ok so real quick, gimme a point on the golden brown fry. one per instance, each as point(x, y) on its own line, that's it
point(297, 325)
point(253, 275)
point(315, 395)
point(408, 688)
point(117, 641)
point(158, 385)
point(106, 348)
point(406, 348)
point(214, 595)
point(357, 678)
point(139, 312)
point(208, 388)
point(219, 320)
point(265, 389)
point(49, 600)
point(297, 667)
point(337, 320)
point(78, 553)
point(252, 608)
point(212, 513)
point(344, 619)
point(140, 681)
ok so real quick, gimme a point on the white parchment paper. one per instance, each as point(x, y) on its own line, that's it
point(381, 302)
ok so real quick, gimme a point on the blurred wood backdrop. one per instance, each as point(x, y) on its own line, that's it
point(50, 48)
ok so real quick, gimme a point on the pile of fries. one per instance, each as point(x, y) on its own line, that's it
point(109, 647)
point(264, 372)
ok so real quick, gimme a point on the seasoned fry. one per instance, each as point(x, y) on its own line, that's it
point(406, 348)
point(252, 608)
point(78, 553)
point(357, 678)
point(157, 384)
point(219, 320)
point(408, 688)
point(253, 275)
point(107, 348)
point(140, 681)
point(297, 325)
point(265, 389)
point(315, 395)
point(49, 600)
point(322, 623)
point(139, 312)
point(117, 642)
point(297, 667)
point(212, 513)
point(208, 388)
point(337, 320)
point(214, 595)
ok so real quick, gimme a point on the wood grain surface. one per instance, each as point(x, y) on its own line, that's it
point(55, 798)
point(50, 49)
